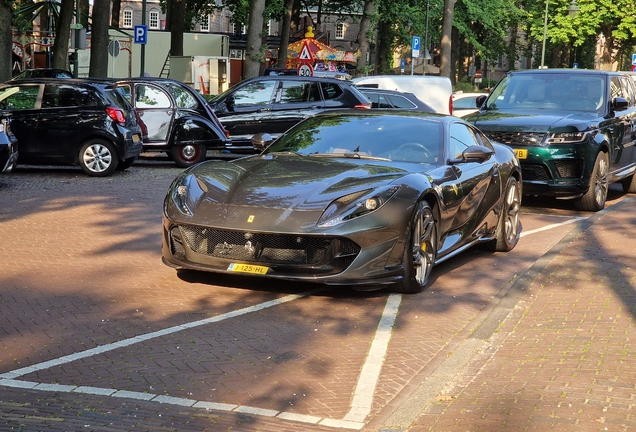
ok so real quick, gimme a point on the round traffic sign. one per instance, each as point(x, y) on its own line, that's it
point(305, 70)
point(477, 74)
point(114, 47)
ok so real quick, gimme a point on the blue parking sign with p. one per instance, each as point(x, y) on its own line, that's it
point(141, 34)
point(633, 59)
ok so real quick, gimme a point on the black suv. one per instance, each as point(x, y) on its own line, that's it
point(67, 121)
point(273, 104)
point(572, 130)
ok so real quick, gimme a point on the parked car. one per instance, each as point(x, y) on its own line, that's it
point(466, 103)
point(67, 121)
point(8, 142)
point(572, 130)
point(435, 91)
point(363, 199)
point(273, 104)
point(174, 118)
point(42, 73)
point(393, 99)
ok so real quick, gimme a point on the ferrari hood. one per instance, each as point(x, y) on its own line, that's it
point(290, 182)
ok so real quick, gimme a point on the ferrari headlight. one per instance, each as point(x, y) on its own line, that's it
point(355, 205)
point(187, 192)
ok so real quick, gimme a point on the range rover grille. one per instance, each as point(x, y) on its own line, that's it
point(523, 139)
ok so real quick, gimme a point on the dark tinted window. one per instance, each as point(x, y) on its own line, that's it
point(401, 102)
point(118, 99)
point(330, 90)
point(298, 91)
point(468, 102)
point(255, 93)
point(461, 137)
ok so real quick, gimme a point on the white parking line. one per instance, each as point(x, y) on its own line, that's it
point(363, 394)
point(549, 227)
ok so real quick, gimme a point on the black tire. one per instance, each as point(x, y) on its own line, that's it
point(188, 155)
point(509, 226)
point(596, 195)
point(629, 184)
point(420, 251)
point(125, 164)
point(98, 157)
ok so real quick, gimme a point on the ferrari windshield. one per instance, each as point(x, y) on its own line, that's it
point(545, 91)
point(391, 137)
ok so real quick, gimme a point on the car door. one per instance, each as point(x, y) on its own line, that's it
point(24, 108)
point(479, 183)
point(246, 110)
point(155, 110)
point(295, 100)
point(66, 112)
point(628, 151)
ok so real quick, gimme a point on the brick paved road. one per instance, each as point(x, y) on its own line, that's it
point(81, 269)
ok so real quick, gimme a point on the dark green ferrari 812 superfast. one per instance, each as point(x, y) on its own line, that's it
point(359, 199)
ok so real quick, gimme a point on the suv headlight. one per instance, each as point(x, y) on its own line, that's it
point(186, 193)
point(357, 204)
point(566, 137)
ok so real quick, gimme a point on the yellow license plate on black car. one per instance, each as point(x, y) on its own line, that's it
point(247, 268)
point(521, 153)
point(136, 138)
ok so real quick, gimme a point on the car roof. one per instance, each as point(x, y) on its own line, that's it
point(63, 81)
point(297, 78)
point(566, 71)
point(444, 118)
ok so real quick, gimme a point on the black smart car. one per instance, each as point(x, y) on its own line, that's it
point(174, 118)
point(572, 130)
point(273, 104)
point(67, 121)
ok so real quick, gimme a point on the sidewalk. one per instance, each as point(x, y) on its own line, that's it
point(565, 357)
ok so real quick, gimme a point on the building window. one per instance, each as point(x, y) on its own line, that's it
point(238, 28)
point(128, 18)
point(204, 25)
point(153, 20)
point(340, 30)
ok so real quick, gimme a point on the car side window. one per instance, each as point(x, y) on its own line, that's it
point(467, 102)
point(23, 99)
point(628, 90)
point(461, 137)
point(482, 139)
point(401, 102)
point(182, 96)
point(151, 97)
point(330, 90)
point(254, 93)
point(298, 91)
point(70, 96)
point(615, 88)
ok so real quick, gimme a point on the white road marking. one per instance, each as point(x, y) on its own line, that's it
point(360, 404)
point(549, 227)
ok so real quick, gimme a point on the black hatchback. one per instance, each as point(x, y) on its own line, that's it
point(273, 104)
point(68, 121)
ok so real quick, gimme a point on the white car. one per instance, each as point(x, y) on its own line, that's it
point(465, 103)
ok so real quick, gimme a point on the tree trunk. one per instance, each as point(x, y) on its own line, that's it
point(385, 47)
point(6, 19)
point(62, 30)
point(177, 26)
point(445, 43)
point(115, 14)
point(253, 55)
point(99, 39)
point(284, 36)
point(85, 11)
point(363, 39)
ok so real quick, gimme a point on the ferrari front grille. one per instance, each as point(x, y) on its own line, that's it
point(523, 139)
point(263, 248)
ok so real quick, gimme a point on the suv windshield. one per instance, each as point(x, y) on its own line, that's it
point(548, 91)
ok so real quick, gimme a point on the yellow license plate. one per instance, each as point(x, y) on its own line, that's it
point(247, 268)
point(521, 153)
point(136, 138)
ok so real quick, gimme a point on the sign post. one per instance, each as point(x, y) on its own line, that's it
point(415, 51)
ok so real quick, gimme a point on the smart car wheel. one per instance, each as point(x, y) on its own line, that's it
point(596, 195)
point(509, 226)
point(420, 251)
point(188, 155)
point(98, 158)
